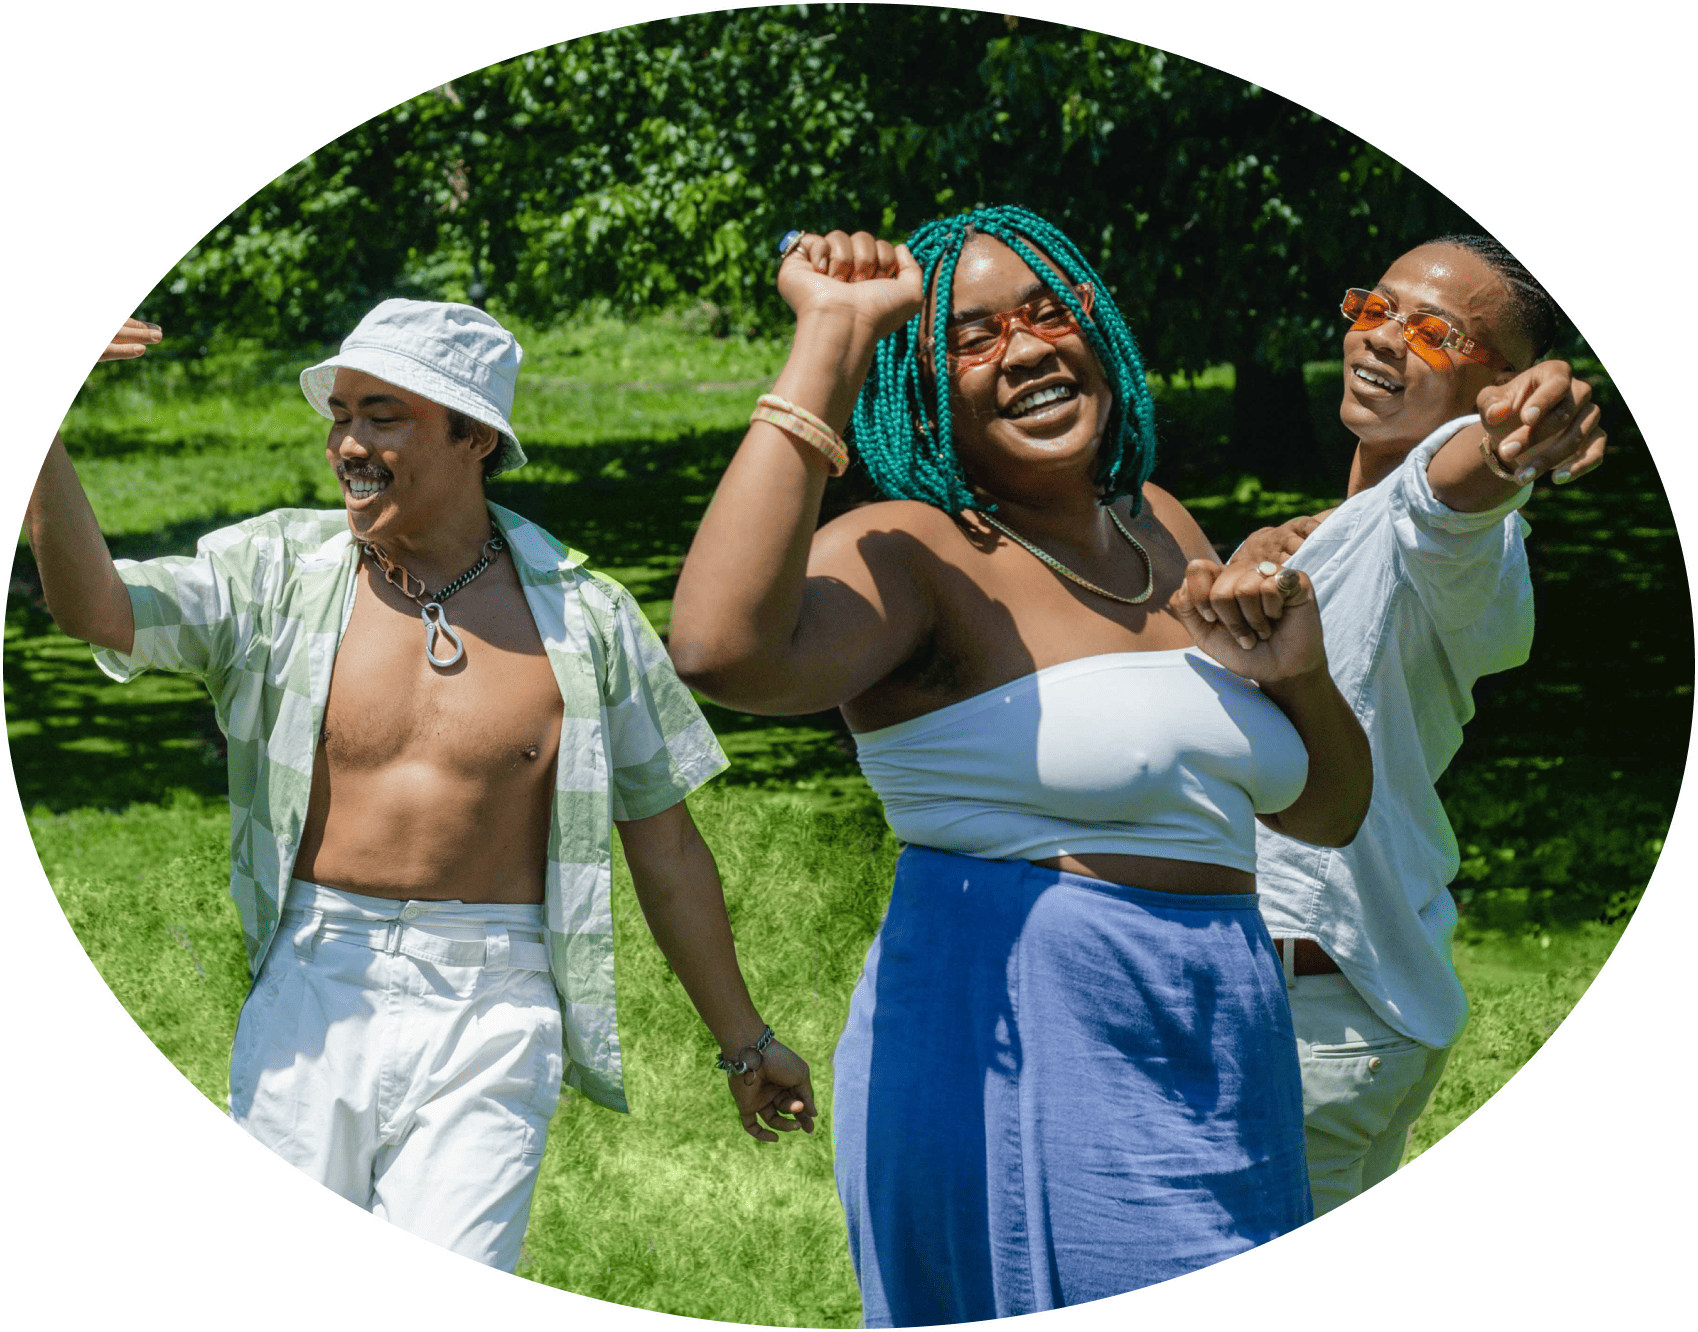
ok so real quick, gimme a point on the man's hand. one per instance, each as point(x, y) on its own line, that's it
point(1275, 545)
point(1541, 420)
point(777, 1088)
point(678, 889)
point(131, 341)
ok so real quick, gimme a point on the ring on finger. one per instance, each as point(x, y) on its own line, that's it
point(1267, 568)
point(1288, 583)
point(788, 242)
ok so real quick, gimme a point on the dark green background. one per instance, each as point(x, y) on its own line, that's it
point(134, 128)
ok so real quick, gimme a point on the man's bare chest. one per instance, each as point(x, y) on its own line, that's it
point(495, 710)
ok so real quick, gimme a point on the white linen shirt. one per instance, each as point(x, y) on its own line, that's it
point(258, 614)
point(1417, 602)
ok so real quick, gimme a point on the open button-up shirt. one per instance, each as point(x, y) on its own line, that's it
point(258, 613)
point(1418, 601)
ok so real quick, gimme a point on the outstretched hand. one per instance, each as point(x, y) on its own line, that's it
point(1262, 625)
point(1541, 420)
point(131, 341)
point(1277, 544)
point(871, 280)
point(777, 1092)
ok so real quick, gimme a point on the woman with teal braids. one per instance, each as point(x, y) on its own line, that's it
point(901, 389)
point(1068, 1069)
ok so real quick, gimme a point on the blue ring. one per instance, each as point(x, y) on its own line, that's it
point(788, 240)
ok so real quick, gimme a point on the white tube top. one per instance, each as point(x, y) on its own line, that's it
point(1165, 754)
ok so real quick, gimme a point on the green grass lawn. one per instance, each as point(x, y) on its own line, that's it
point(1561, 796)
point(671, 1207)
point(1521, 985)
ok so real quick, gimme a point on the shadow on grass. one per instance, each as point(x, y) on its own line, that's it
point(78, 742)
point(1608, 691)
point(127, 441)
point(626, 503)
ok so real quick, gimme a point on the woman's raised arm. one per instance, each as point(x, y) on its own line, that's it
point(762, 619)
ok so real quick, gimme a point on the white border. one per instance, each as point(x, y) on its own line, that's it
point(902, 4)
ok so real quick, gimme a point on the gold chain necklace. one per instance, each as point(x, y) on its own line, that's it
point(430, 606)
point(1065, 572)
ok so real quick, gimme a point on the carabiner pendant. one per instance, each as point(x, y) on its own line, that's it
point(438, 624)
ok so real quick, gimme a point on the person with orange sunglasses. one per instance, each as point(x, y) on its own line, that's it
point(1423, 586)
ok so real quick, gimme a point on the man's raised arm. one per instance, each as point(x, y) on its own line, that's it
point(84, 594)
point(1542, 420)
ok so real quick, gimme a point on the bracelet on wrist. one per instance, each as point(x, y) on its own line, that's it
point(801, 424)
point(741, 1065)
point(1494, 464)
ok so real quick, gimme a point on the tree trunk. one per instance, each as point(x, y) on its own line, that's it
point(1273, 435)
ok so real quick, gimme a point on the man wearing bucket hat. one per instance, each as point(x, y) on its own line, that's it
point(436, 719)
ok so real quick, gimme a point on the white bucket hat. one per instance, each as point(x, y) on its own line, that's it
point(452, 354)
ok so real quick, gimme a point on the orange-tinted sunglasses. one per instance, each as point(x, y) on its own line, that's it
point(1427, 334)
point(980, 340)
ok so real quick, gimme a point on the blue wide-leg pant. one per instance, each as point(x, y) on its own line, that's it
point(1052, 1089)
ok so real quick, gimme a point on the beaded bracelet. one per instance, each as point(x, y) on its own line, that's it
point(803, 425)
point(1489, 452)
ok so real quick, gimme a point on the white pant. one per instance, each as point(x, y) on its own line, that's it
point(408, 1056)
point(1364, 1085)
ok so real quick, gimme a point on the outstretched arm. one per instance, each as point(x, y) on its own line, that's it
point(678, 888)
point(1275, 545)
point(84, 594)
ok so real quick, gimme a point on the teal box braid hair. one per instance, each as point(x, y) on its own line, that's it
point(907, 443)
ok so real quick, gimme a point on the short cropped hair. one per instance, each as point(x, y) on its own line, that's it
point(1536, 316)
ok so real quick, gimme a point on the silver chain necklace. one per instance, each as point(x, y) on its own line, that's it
point(1065, 572)
point(430, 606)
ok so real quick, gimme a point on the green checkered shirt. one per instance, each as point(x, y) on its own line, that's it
point(257, 614)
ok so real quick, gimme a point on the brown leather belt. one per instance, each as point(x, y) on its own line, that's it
point(1310, 958)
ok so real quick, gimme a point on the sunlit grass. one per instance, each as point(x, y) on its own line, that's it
point(669, 1208)
point(1560, 798)
point(180, 444)
point(1520, 987)
point(672, 1207)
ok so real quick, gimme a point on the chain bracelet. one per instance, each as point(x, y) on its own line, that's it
point(743, 1065)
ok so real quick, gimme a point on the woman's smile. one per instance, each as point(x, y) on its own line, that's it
point(1042, 404)
point(1039, 398)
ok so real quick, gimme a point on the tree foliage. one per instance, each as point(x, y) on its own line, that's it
point(658, 163)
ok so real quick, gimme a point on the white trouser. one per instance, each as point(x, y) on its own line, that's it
point(1364, 1085)
point(408, 1056)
